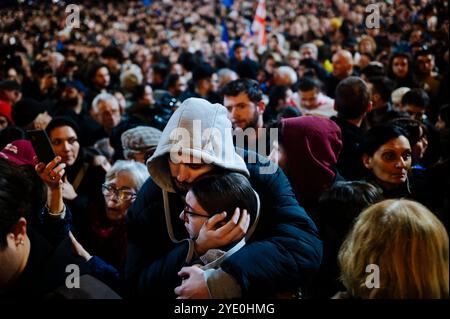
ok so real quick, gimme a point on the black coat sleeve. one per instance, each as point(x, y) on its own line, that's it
point(283, 252)
point(153, 261)
point(54, 229)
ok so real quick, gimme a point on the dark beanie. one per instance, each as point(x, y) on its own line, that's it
point(9, 85)
point(25, 111)
point(62, 121)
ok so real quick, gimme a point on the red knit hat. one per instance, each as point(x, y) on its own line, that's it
point(5, 110)
point(20, 152)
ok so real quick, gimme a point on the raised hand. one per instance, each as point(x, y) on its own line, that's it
point(212, 236)
point(51, 173)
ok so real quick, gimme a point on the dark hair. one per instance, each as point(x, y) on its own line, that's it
point(247, 86)
point(352, 98)
point(373, 69)
point(395, 27)
point(171, 80)
point(160, 68)
point(308, 83)
point(217, 193)
point(423, 51)
point(188, 60)
point(113, 52)
point(248, 69)
point(92, 70)
point(41, 68)
point(9, 134)
point(308, 63)
point(202, 71)
point(341, 204)
point(416, 97)
point(138, 91)
point(379, 135)
point(62, 121)
point(404, 55)
point(10, 85)
point(412, 127)
point(238, 45)
point(369, 55)
point(26, 110)
point(18, 68)
point(383, 86)
point(311, 66)
point(276, 93)
point(15, 201)
point(288, 112)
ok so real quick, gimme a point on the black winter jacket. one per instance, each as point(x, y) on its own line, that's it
point(283, 253)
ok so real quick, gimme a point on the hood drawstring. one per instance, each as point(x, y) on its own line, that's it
point(407, 184)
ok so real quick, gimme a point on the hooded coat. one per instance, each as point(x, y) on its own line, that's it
point(283, 252)
point(312, 145)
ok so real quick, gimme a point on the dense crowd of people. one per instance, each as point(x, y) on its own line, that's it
point(192, 160)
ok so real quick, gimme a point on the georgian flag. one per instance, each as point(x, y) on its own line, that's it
point(259, 25)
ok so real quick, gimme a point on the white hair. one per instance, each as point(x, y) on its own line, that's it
point(226, 72)
point(397, 94)
point(287, 71)
point(58, 57)
point(138, 171)
point(103, 97)
point(131, 76)
point(226, 75)
point(312, 47)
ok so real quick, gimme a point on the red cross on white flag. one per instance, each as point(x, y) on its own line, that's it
point(259, 25)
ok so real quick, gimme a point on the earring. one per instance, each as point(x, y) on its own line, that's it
point(21, 242)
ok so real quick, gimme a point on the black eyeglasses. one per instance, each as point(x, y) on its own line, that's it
point(121, 194)
point(186, 211)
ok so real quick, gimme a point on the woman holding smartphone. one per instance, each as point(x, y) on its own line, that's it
point(81, 183)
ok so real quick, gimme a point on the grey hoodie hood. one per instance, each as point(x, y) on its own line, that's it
point(198, 129)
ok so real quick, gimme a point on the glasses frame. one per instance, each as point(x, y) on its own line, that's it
point(114, 192)
point(189, 212)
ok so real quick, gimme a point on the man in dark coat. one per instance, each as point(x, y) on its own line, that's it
point(352, 103)
point(282, 254)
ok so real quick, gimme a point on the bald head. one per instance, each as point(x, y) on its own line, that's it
point(342, 64)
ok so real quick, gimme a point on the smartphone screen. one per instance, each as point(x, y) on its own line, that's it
point(41, 145)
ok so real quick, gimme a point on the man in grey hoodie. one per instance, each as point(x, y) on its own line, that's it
point(281, 255)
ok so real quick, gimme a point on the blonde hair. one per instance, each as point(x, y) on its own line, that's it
point(369, 39)
point(409, 245)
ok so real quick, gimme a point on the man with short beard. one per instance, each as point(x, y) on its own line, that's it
point(72, 96)
point(71, 104)
point(243, 100)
